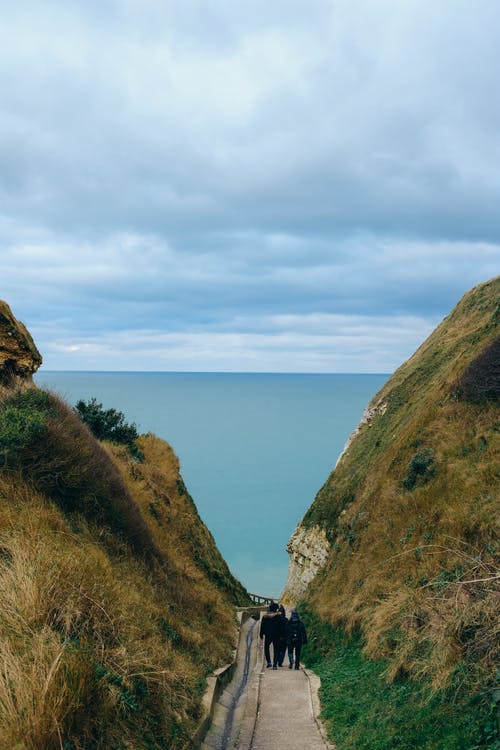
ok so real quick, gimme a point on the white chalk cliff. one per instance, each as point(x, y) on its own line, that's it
point(309, 550)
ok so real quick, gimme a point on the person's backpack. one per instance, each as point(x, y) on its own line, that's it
point(294, 632)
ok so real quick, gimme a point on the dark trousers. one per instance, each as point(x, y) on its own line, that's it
point(281, 651)
point(268, 640)
point(295, 656)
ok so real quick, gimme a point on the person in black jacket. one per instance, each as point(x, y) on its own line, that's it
point(296, 637)
point(282, 634)
point(270, 629)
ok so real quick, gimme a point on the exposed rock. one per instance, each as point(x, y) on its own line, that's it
point(371, 411)
point(309, 547)
point(308, 550)
point(19, 357)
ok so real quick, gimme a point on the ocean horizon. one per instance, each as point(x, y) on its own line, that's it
point(254, 448)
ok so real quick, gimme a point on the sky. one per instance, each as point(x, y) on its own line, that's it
point(218, 185)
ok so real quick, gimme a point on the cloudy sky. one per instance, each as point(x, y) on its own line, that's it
point(261, 186)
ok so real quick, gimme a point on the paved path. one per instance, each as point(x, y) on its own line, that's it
point(286, 717)
point(266, 709)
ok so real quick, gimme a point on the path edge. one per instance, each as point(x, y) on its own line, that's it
point(314, 685)
point(218, 679)
point(252, 703)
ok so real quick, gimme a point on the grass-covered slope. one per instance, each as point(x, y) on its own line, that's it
point(114, 600)
point(411, 512)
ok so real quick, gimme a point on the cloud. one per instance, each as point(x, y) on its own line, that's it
point(205, 170)
point(362, 114)
point(309, 343)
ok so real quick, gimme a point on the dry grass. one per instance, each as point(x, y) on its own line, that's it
point(108, 624)
point(173, 519)
point(415, 555)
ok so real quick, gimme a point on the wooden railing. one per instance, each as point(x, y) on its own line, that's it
point(258, 599)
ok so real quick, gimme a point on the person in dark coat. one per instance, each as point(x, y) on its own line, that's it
point(270, 628)
point(282, 634)
point(296, 637)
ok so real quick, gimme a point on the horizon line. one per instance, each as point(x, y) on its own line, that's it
point(211, 372)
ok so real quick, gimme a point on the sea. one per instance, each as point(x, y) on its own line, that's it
point(254, 449)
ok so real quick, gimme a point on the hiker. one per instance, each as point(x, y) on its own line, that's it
point(270, 628)
point(282, 634)
point(296, 637)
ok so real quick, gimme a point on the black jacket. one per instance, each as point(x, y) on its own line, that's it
point(295, 633)
point(273, 627)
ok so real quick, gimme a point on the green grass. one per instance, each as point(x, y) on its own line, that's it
point(364, 712)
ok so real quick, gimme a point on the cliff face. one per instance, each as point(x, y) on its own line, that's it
point(114, 599)
point(308, 549)
point(411, 510)
point(19, 357)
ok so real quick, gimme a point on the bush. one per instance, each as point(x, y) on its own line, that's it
point(419, 469)
point(108, 424)
point(18, 431)
point(22, 424)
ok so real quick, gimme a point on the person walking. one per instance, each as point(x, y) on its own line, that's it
point(296, 637)
point(283, 620)
point(270, 628)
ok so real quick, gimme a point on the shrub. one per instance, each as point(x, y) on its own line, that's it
point(419, 469)
point(108, 424)
point(18, 431)
point(22, 423)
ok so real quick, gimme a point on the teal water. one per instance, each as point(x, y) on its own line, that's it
point(254, 448)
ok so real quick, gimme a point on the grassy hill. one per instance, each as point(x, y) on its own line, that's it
point(114, 600)
point(411, 513)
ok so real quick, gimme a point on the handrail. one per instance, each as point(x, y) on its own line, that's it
point(258, 599)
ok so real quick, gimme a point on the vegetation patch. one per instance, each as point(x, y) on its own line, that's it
point(23, 422)
point(43, 440)
point(364, 711)
point(421, 468)
point(481, 380)
point(109, 424)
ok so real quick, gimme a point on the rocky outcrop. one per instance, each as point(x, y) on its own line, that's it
point(309, 550)
point(309, 547)
point(19, 357)
point(371, 411)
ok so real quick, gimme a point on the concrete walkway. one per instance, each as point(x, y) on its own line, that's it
point(266, 709)
point(288, 710)
point(285, 718)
